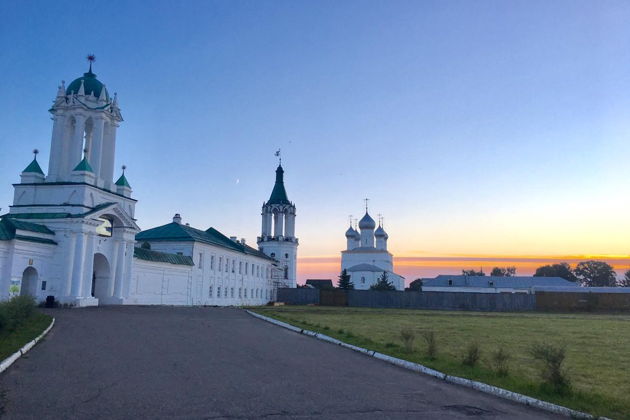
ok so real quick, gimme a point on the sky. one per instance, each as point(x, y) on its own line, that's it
point(486, 133)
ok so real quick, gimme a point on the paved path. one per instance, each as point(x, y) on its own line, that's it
point(154, 362)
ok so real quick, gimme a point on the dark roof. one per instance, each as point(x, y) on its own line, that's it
point(8, 228)
point(122, 181)
point(90, 85)
point(178, 232)
point(156, 256)
point(366, 267)
point(279, 194)
point(34, 167)
point(57, 215)
point(84, 166)
point(517, 282)
point(320, 283)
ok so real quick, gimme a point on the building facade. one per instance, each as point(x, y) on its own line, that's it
point(366, 257)
point(72, 233)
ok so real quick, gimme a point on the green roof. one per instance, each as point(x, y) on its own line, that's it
point(60, 215)
point(90, 85)
point(122, 181)
point(182, 233)
point(84, 165)
point(34, 167)
point(279, 194)
point(149, 255)
point(8, 228)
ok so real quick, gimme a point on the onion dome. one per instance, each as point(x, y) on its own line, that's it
point(367, 222)
point(90, 85)
point(350, 232)
point(380, 232)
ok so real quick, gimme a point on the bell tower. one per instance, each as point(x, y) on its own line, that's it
point(85, 119)
point(277, 238)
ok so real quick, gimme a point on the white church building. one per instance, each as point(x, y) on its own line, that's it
point(366, 257)
point(71, 233)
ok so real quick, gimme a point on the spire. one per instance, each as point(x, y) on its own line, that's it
point(81, 90)
point(91, 58)
point(103, 96)
point(279, 194)
point(122, 181)
point(61, 92)
point(34, 167)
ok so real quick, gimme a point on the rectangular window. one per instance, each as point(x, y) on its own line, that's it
point(227, 265)
point(212, 262)
point(245, 290)
point(220, 263)
point(218, 291)
point(231, 292)
point(240, 267)
point(43, 284)
point(210, 292)
point(200, 260)
point(233, 265)
point(225, 293)
point(246, 268)
point(240, 292)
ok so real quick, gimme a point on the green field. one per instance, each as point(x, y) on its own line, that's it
point(10, 342)
point(598, 347)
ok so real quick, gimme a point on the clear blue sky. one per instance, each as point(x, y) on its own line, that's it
point(493, 127)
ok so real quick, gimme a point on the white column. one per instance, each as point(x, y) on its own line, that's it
point(76, 144)
point(56, 146)
point(96, 154)
point(269, 217)
point(70, 252)
point(121, 262)
point(290, 230)
point(109, 154)
point(88, 268)
point(113, 272)
point(127, 271)
point(278, 219)
point(77, 269)
point(263, 228)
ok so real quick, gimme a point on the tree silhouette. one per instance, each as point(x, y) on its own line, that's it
point(503, 271)
point(595, 274)
point(383, 283)
point(556, 270)
point(344, 281)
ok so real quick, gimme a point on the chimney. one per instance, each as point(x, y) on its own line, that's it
point(233, 238)
point(243, 241)
point(177, 219)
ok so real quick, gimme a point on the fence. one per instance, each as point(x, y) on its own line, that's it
point(582, 301)
point(300, 296)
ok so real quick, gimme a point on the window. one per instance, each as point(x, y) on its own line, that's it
point(286, 255)
point(252, 292)
point(212, 262)
point(218, 291)
point(225, 293)
point(257, 271)
point(220, 263)
point(286, 272)
point(105, 228)
point(240, 292)
point(240, 267)
point(227, 265)
point(231, 292)
point(450, 282)
point(246, 267)
point(43, 284)
point(233, 265)
point(362, 279)
point(245, 291)
point(180, 253)
point(200, 260)
point(210, 291)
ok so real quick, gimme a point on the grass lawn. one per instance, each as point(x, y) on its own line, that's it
point(598, 346)
point(10, 342)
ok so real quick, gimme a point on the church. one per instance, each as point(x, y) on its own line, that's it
point(366, 257)
point(71, 232)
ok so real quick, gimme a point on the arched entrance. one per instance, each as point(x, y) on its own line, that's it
point(101, 277)
point(29, 282)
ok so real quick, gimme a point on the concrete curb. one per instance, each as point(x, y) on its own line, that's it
point(480, 386)
point(11, 359)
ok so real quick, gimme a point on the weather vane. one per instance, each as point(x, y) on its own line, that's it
point(123, 168)
point(91, 58)
point(277, 154)
point(35, 152)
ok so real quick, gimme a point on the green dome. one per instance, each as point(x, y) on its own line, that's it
point(90, 85)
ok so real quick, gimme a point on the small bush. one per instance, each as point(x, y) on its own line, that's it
point(429, 337)
point(473, 354)
point(407, 336)
point(553, 372)
point(390, 345)
point(500, 359)
point(15, 311)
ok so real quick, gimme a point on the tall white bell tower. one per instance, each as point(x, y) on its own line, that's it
point(277, 238)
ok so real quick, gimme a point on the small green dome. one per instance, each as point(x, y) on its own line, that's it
point(90, 85)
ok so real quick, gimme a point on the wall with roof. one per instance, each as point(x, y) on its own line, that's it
point(16, 256)
point(157, 283)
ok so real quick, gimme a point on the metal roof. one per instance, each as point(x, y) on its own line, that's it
point(156, 256)
point(366, 267)
point(8, 228)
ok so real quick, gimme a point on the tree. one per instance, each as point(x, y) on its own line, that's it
point(344, 281)
point(503, 271)
point(473, 273)
point(383, 283)
point(416, 285)
point(595, 274)
point(625, 281)
point(556, 270)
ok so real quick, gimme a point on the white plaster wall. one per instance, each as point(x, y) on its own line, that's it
point(381, 259)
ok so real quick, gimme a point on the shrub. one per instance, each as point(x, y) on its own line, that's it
point(500, 359)
point(429, 337)
point(552, 372)
point(407, 336)
point(15, 311)
point(473, 353)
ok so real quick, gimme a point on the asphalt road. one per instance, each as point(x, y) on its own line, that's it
point(214, 363)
